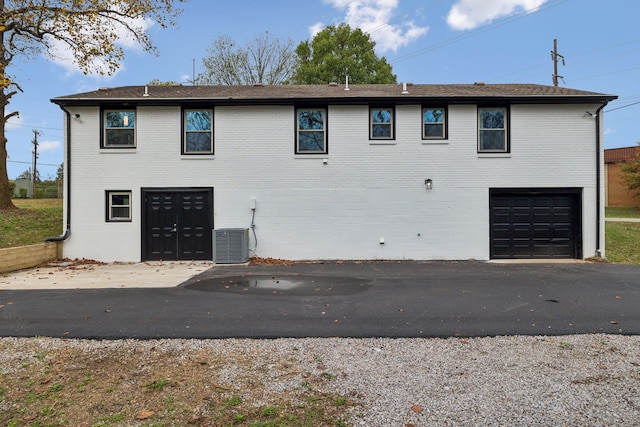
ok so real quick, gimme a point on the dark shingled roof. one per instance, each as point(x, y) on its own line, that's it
point(333, 93)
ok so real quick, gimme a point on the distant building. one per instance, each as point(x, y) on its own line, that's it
point(617, 194)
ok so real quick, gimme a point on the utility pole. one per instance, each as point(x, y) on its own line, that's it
point(554, 57)
point(34, 176)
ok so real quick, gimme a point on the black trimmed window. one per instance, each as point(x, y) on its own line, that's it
point(119, 129)
point(311, 131)
point(434, 123)
point(493, 130)
point(381, 123)
point(118, 205)
point(198, 132)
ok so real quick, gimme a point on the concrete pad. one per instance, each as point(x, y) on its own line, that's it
point(80, 275)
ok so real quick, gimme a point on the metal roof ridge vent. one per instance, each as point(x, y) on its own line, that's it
point(333, 84)
point(479, 84)
point(258, 84)
point(146, 91)
point(404, 88)
point(103, 88)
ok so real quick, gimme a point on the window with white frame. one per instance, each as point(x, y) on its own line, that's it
point(118, 205)
point(119, 129)
point(434, 123)
point(381, 123)
point(493, 134)
point(198, 132)
point(311, 131)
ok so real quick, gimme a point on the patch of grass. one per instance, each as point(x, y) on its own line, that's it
point(622, 212)
point(234, 401)
point(33, 222)
point(157, 384)
point(623, 242)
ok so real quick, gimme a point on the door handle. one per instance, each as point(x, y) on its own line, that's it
point(175, 228)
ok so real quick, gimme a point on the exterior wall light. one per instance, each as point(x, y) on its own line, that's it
point(428, 183)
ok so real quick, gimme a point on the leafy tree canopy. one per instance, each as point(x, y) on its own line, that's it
point(158, 82)
point(630, 172)
point(88, 29)
point(337, 52)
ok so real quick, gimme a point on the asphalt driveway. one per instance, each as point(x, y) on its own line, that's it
point(343, 299)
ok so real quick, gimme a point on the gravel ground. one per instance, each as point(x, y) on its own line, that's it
point(577, 380)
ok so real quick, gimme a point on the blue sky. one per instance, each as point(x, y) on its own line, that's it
point(426, 41)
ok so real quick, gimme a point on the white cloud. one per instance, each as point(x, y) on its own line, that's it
point(49, 145)
point(61, 55)
point(316, 28)
point(470, 14)
point(374, 17)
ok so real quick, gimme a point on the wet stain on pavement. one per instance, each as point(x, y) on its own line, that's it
point(283, 285)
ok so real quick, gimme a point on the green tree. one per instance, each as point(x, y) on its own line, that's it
point(87, 29)
point(264, 59)
point(630, 172)
point(158, 82)
point(337, 52)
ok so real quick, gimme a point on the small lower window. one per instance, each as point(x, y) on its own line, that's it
point(118, 206)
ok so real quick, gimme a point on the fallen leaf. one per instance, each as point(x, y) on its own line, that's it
point(417, 408)
point(107, 311)
point(613, 322)
point(143, 415)
point(618, 297)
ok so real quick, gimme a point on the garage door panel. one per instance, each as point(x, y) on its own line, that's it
point(542, 223)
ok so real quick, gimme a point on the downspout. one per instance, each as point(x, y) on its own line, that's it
point(67, 177)
point(598, 177)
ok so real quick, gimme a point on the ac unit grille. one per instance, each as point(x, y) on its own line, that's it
point(231, 245)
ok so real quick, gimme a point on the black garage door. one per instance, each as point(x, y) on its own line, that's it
point(535, 223)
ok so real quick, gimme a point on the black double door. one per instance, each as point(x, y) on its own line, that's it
point(177, 224)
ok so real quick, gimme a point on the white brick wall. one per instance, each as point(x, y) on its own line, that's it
point(339, 210)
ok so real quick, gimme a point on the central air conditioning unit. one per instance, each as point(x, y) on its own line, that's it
point(231, 245)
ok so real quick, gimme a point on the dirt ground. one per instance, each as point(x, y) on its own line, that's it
point(57, 382)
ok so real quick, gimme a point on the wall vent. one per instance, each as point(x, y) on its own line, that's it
point(231, 245)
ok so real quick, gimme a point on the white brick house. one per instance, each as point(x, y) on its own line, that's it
point(328, 172)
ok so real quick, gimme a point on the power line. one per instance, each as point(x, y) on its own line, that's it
point(31, 126)
point(479, 30)
point(624, 106)
point(28, 163)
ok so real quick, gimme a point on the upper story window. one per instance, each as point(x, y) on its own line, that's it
point(311, 131)
point(434, 123)
point(119, 129)
point(198, 132)
point(381, 123)
point(493, 136)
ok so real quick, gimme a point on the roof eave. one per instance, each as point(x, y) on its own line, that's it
point(401, 99)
